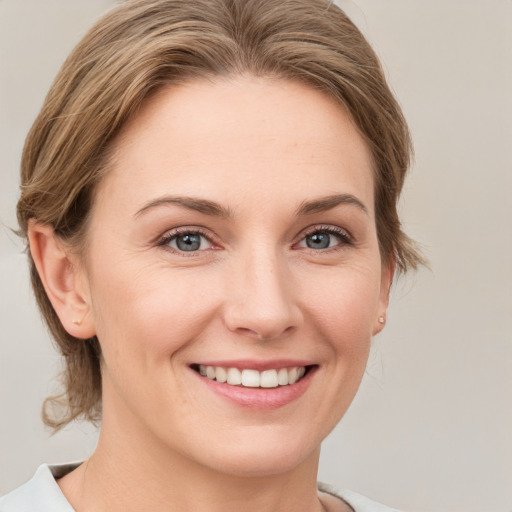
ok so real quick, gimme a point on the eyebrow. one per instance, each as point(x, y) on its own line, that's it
point(216, 210)
point(192, 203)
point(323, 204)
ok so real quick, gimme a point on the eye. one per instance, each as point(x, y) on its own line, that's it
point(186, 241)
point(325, 238)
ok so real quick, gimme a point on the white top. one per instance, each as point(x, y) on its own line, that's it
point(42, 494)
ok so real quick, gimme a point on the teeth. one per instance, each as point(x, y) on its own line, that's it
point(293, 375)
point(234, 376)
point(221, 375)
point(253, 378)
point(282, 377)
point(268, 379)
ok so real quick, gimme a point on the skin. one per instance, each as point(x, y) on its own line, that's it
point(259, 149)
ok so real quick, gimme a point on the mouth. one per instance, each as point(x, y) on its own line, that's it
point(257, 385)
point(252, 378)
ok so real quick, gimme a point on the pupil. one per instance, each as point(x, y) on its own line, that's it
point(188, 242)
point(318, 241)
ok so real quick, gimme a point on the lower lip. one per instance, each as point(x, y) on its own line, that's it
point(260, 398)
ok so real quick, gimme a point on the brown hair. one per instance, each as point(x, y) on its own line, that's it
point(142, 45)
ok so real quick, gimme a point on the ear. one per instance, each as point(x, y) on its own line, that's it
point(63, 279)
point(386, 280)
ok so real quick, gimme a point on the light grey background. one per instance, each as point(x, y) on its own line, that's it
point(431, 429)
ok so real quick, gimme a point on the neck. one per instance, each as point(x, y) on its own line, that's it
point(130, 471)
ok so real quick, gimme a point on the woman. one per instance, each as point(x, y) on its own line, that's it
point(209, 197)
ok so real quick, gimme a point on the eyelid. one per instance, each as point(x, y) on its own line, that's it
point(163, 240)
point(346, 237)
point(169, 235)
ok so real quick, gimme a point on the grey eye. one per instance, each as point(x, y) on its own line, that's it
point(325, 238)
point(319, 240)
point(188, 242)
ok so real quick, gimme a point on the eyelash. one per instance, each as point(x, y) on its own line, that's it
point(345, 238)
point(343, 235)
point(169, 237)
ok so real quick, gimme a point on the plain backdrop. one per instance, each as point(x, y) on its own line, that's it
point(431, 429)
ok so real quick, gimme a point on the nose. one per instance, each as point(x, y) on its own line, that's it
point(262, 300)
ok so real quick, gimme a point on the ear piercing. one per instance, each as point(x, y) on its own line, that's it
point(77, 322)
point(382, 319)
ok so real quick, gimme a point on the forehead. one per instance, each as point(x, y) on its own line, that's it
point(233, 138)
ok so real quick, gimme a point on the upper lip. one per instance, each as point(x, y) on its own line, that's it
point(260, 365)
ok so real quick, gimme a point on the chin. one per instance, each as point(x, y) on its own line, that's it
point(261, 456)
point(260, 465)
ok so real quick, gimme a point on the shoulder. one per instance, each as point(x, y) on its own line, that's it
point(358, 502)
point(41, 493)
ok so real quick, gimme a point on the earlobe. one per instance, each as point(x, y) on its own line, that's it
point(387, 275)
point(59, 274)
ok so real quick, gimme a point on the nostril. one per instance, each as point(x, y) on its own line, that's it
point(266, 333)
point(251, 332)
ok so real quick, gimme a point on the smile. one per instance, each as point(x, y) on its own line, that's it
point(257, 385)
point(251, 378)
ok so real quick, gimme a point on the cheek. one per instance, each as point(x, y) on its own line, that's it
point(150, 313)
point(347, 297)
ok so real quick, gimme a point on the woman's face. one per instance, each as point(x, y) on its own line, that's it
point(235, 234)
